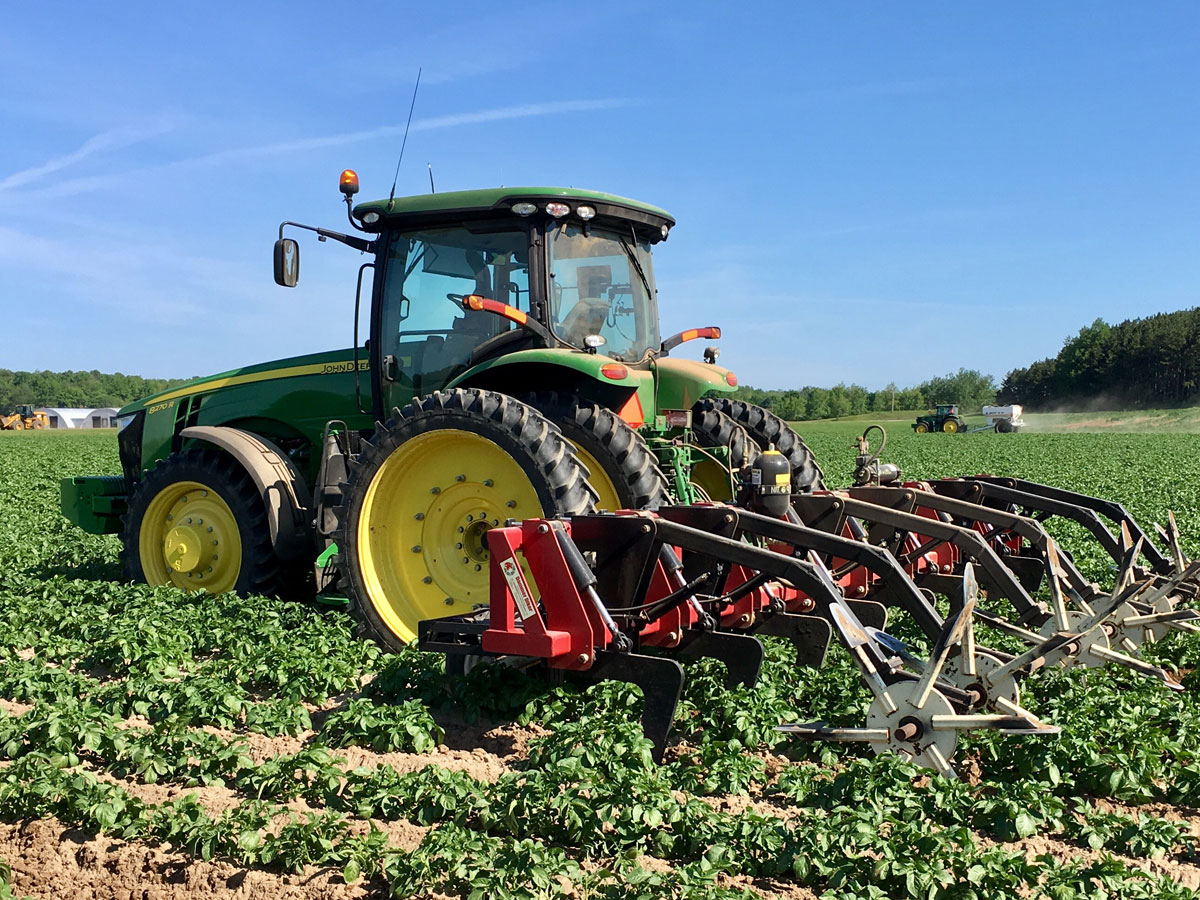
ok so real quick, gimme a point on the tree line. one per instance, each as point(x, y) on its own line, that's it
point(966, 387)
point(76, 389)
point(1138, 363)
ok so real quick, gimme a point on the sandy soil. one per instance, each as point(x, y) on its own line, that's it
point(52, 862)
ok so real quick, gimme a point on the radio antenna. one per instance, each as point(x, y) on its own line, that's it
point(432, 190)
point(411, 106)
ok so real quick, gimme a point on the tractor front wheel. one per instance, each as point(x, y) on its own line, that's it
point(768, 429)
point(624, 473)
point(921, 428)
point(197, 522)
point(712, 430)
point(426, 489)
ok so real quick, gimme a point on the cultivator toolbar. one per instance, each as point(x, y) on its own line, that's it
point(697, 581)
point(626, 595)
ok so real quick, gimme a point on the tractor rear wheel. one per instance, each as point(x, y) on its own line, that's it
point(197, 522)
point(949, 426)
point(715, 429)
point(425, 491)
point(766, 429)
point(624, 473)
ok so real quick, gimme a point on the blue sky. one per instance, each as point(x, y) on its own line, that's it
point(865, 192)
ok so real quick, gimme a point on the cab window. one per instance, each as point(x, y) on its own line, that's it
point(424, 325)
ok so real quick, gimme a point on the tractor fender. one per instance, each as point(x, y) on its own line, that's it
point(284, 493)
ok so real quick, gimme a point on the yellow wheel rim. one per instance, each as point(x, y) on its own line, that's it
point(421, 539)
point(950, 427)
point(599, 480)
point(921, 429)
point(713, 479)
point(189, 538)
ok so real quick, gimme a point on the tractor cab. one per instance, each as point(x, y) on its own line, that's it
point(464, 279)
point(946, 409)
point(453, 295)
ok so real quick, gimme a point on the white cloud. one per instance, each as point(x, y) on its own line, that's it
point(76, 186)
point(114, 139)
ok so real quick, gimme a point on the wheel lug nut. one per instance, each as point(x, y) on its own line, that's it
point(449, 601)
point(210, 529)
point(199, 521)
point(470, 517)
point(214, 543)
point(169, 517)
point(435, 490)
point(478, 567)
point(488, 483)
point(458, 546)
point(465, 560)
point(460, 529)
point(189, 521)
point(428, 579)
point(416, 548)
point(511, 503)
point(460, 478)
point(419, 516)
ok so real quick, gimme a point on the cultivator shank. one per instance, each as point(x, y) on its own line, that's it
point(934, 535)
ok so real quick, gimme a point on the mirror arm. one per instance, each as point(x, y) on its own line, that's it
point(710, 333)
point(357, 243)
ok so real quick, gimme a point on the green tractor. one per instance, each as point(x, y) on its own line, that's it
point(514, 369)
point(944, 418)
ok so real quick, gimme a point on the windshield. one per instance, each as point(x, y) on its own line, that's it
point(602, 283)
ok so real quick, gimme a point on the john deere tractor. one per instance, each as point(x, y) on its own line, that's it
point(944, 418)
point(513, 369)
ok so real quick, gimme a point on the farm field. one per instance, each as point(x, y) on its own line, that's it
point(160, 744)
point(1183, 420)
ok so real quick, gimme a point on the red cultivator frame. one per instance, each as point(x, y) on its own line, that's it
point(684, 576)
point(591, 594)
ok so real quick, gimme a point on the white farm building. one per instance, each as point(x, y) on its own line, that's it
point(103, 417)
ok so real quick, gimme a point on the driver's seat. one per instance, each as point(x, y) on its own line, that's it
point(586, 317)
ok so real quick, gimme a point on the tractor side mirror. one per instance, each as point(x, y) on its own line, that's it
point(287, 262)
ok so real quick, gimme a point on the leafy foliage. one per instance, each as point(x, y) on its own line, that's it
point(130, 682)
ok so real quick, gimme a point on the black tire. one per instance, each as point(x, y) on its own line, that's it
point(528, 438)
point(714, 429)
point(1004, 426)
point(260, 571)
point(766, 428)
point(619, 450)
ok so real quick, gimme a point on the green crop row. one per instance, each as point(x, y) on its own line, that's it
point(575, 811)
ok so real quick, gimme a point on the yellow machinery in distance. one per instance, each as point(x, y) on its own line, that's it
point(24, 418)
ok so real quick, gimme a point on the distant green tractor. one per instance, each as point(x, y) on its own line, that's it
point(514, 369)
point(946, 418)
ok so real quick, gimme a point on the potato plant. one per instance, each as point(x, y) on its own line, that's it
point(113, 688)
